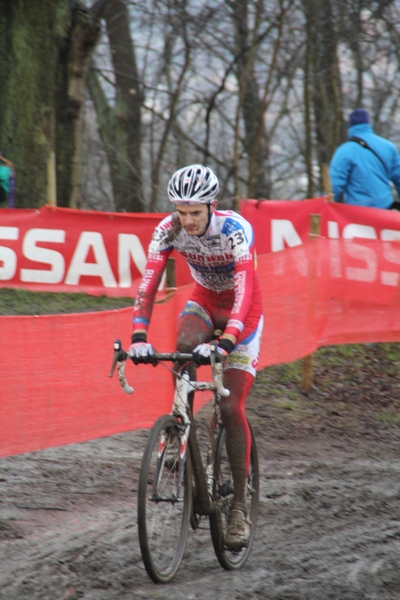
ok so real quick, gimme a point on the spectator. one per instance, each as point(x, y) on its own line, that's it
point(7, 174)
point(363, 167)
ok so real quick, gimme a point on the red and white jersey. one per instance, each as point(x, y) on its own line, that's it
point(222, 261)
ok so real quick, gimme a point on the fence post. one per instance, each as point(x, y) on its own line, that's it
point(170, 275)
point(314, 232)
point(51, 179)
point(326, 182)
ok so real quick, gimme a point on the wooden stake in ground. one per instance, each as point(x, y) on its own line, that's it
point(326, 182)
point(170, 275)
point(315, 230)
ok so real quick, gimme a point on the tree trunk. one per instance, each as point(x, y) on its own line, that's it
point(44, 47)
point(71, 82)
point(120, 125)
point(325, 78)
point(249, 100)
point(163, 144)
point(307, 116)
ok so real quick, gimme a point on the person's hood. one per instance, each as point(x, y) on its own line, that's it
point(358, 130)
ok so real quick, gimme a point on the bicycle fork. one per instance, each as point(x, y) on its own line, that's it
point(204, 504)
point(181, 408)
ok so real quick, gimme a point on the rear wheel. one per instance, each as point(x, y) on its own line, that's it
point(223, 496)
point(164, 500)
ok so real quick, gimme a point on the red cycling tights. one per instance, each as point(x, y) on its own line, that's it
point(192, 331)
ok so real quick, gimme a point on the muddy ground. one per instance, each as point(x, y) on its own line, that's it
point(329, 519)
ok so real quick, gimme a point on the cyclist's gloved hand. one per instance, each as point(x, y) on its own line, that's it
point(140, 350)
point(202, 352)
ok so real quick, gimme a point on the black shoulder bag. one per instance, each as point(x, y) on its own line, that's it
point(363, 143)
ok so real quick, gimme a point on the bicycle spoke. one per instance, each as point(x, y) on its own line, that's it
point(164, 502)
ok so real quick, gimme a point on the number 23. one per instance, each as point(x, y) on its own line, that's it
point(236, 239)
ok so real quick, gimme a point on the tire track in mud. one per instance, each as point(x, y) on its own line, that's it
point(329, 525)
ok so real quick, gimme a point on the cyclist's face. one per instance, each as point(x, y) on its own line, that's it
point(194, 218)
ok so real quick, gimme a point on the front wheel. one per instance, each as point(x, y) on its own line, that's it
point(164, 500)
point(223, 497)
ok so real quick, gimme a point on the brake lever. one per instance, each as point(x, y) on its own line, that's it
point(119, 359)
point(217, 373)
point(116, 357)
point(213, 355)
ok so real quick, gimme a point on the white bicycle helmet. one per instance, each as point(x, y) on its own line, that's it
point(194, 184)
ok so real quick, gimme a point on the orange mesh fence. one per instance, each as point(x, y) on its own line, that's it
point(329, 292)
point(55, 385)
point(55, 370)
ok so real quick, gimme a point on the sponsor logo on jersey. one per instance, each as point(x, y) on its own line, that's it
point(238, 359)
point(235, 323)
point(230, 226)
point(146, 279)
point(240, 288)
point(156, 256)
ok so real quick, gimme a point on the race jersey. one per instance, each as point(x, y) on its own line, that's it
point(221, 260)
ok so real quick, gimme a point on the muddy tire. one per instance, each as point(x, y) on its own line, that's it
point(164, 501)
point(223, 495)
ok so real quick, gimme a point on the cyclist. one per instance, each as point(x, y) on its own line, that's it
point(219, 248)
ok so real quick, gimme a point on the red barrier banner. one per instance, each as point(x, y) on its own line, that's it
point(280, 224)
point(328, 292)
point(55, 385)
point(64, 250)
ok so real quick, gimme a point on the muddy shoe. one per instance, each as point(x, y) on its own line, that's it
point(239, 529)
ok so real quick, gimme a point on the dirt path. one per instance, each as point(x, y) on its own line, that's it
point(329, 522)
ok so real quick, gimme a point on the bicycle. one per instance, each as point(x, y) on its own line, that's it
point(175, 487)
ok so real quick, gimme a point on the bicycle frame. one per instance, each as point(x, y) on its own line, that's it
point(204, 478)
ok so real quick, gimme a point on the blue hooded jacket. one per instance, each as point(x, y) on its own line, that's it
point(359, 175)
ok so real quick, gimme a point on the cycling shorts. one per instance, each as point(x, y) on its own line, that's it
point(215, 309)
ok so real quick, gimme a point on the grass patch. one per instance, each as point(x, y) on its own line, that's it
point(336, 356)
point(355, 391)
point(389, 418)
point(286, 405)
point(23, 302)
point(284, 374)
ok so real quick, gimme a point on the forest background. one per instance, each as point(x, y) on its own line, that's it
point(101, 101)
